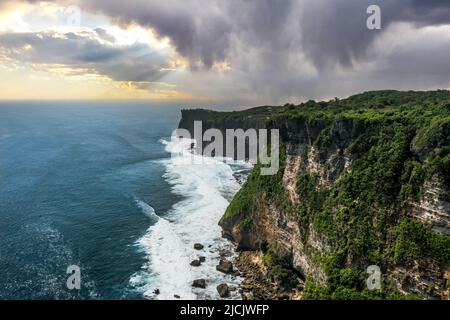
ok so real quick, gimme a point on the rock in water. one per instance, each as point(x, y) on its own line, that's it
point(225, 253)
point(223, 290)
point(225, 266)
point(198, 246)
point(195, 263)
point(247, 296)
point(236, 273)
point(156, 291)
point(176, 296)
point(202, 259)
point(199, 283)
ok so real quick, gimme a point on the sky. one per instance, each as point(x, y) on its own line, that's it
point(236, 52)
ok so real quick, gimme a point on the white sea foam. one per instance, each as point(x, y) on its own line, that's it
point(162, 141)
point(147, 210)
point(169, 243)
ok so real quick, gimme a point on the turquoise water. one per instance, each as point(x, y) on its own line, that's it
point(95, 185)
point(70, 174)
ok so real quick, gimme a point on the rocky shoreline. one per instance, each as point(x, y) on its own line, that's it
point(259, 282)
point(224, 266)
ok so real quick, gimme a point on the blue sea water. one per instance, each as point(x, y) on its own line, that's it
point(93, 184)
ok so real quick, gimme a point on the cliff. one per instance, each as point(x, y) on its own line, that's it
point(362, 181)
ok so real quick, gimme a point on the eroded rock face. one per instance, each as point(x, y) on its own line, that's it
point(293, 164)
point(281, 229)
point(259, 281)
point(282, 232)
point(433, 208)
point(431, 282)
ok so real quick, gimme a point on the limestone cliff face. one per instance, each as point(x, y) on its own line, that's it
point(433, 207)
point(329, 150)
point(281, 230)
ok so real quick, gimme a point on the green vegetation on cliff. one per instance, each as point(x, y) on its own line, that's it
point(394, 143)
point(246, 200)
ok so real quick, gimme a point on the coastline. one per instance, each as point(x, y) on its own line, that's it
point(258, 279)
point(360, 185)
point(259, 283)
point(185, 246)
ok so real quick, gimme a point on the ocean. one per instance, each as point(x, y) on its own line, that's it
point(94, 184)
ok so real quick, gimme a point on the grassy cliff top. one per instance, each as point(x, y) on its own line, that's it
point(368, 105)
point(375, 105)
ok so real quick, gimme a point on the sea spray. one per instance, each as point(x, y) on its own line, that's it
point(169, 243)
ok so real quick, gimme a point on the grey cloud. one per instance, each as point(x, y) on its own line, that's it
point(104, 35)
point(203, 31)
point(277, 48)
point(328, 30)
point(135, 62)
point(272, 45)
point(198, 30)
point(335, 31)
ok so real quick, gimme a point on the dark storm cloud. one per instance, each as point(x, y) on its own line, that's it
point(327, 30)
point(426, 12)
point(286, 48)
point(199, 31)
point(335, 31)
point(204, 31)
point(135, 62)
point(410, 66)
point(104, 35)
